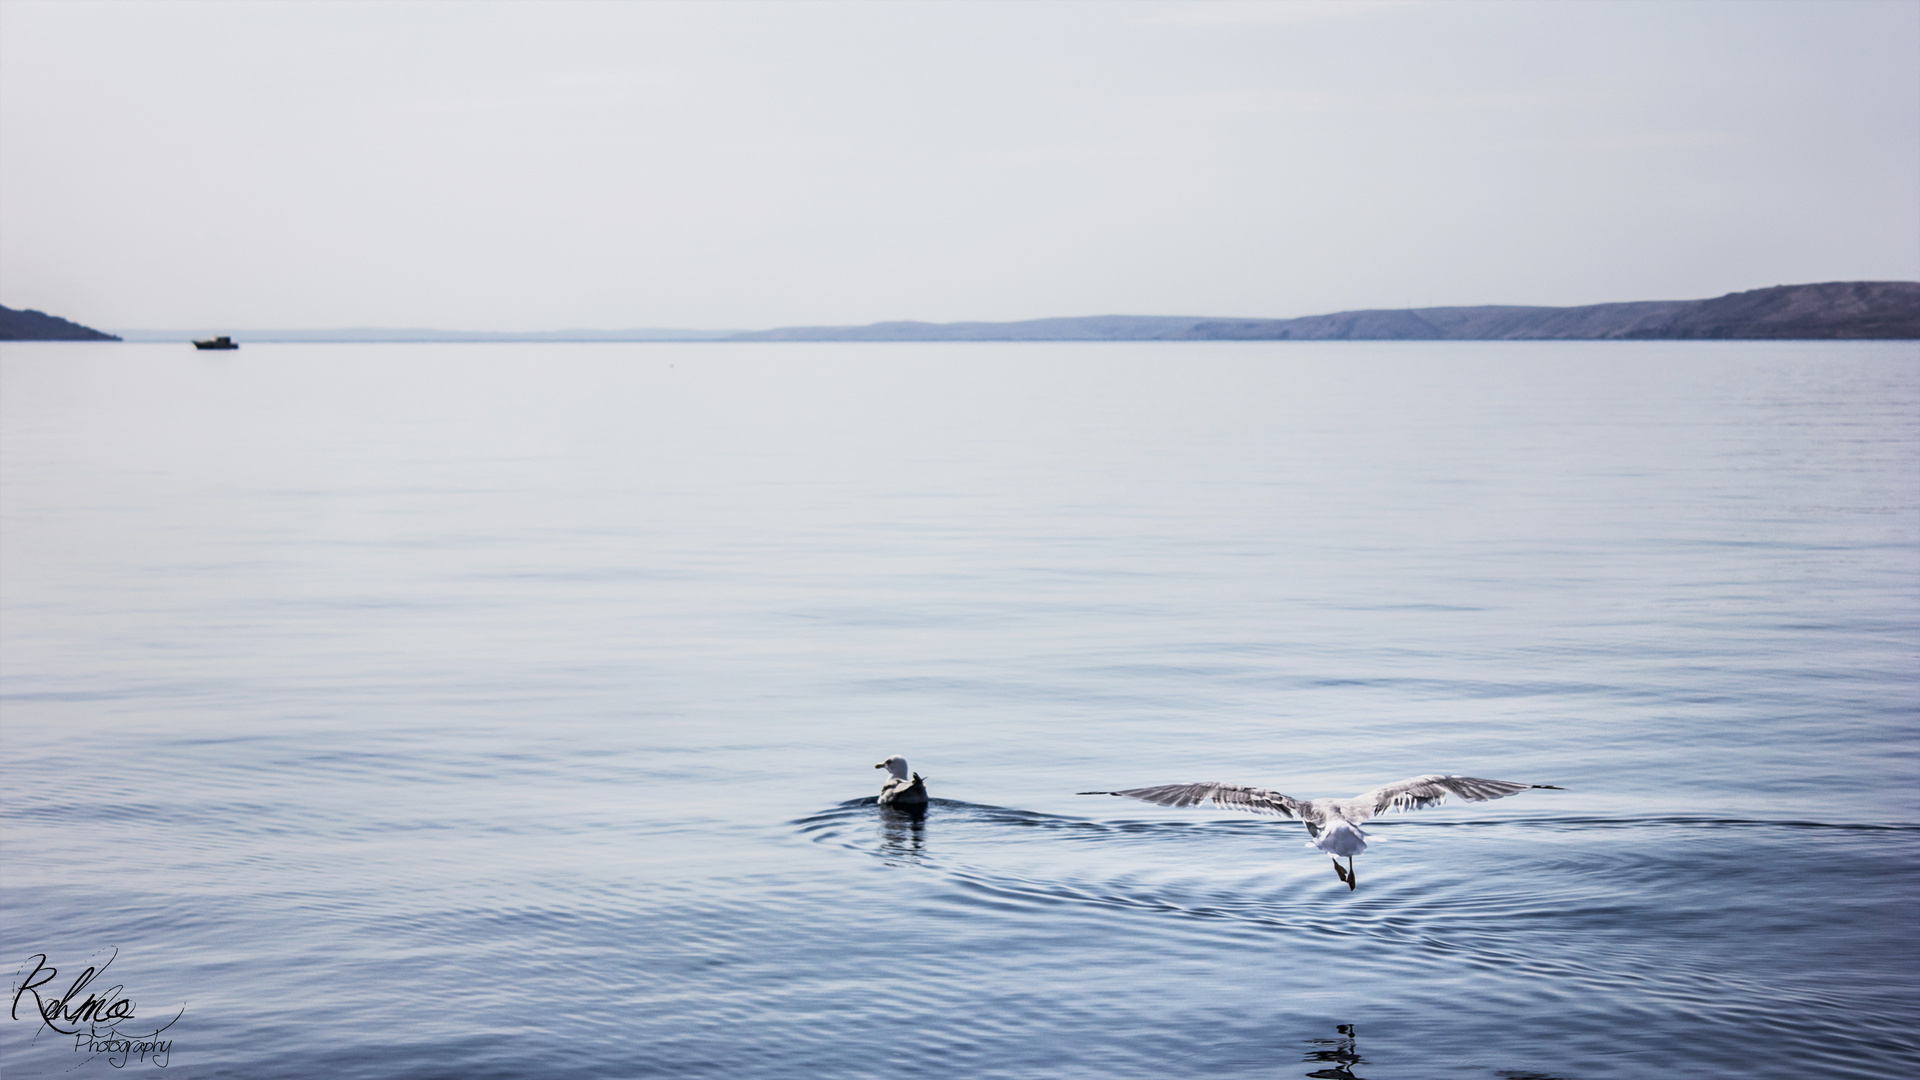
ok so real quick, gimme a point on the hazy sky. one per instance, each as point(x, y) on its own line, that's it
point(523, 166)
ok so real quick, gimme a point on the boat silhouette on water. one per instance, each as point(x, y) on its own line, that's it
point(221, 342)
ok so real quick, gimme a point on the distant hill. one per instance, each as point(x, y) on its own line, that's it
point(1839, 309)
point(39, 326)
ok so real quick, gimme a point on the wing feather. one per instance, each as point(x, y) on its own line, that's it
point(1252, 800)
point(1421, 792)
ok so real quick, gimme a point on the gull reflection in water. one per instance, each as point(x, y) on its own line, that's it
point(903, 832)
point(1341, 1054)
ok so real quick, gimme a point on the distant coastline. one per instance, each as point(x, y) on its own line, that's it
point(1841, 309)
point(1862, 310)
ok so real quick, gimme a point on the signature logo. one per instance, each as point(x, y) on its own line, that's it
point(92, 1021)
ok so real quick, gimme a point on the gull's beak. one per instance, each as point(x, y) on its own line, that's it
point(880, 765)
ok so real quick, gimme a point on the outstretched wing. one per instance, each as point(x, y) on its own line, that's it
point(1424, 791)
point(1253, 800)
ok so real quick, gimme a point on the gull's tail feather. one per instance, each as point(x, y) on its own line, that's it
point(1341, 838)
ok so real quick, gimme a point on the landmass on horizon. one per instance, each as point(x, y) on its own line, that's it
point(39, 326)
point(1825, 311)
point(1839, 309)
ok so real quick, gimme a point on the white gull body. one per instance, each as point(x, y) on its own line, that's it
point(899, 791)
point(1333, 824)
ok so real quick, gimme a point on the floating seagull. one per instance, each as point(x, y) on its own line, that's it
point(900, 791)
point(1334, 824)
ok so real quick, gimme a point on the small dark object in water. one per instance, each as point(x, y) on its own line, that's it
point(221, 342)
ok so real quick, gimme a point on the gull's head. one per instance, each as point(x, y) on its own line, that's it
point(896, 765)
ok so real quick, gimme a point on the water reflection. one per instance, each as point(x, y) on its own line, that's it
point(903, 833)
point(1341, 1054)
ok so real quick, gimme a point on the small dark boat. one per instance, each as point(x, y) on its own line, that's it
point(221, 342)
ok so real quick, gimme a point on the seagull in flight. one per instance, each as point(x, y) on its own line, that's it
point(1334, 824)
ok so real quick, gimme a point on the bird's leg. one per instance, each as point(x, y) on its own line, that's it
point(1352, 879)
point(1338, 869)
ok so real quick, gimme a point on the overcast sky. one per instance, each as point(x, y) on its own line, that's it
point(526, 166)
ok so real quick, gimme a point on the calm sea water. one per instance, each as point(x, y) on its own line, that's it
point(510, 710)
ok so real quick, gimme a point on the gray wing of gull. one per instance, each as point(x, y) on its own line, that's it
point(1253, 800)
point(1421, 792)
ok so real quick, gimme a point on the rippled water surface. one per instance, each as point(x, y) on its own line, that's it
point(510, 710)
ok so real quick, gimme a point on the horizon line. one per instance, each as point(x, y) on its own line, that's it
point(689, 334)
